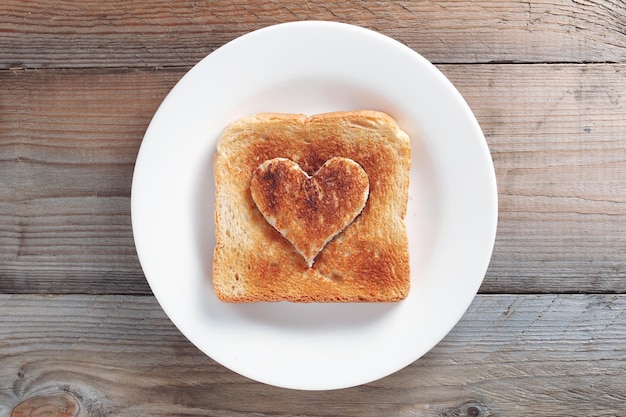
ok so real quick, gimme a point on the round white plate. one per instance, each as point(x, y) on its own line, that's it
point(314, 67)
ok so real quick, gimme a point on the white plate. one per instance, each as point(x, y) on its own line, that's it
point(313, 67)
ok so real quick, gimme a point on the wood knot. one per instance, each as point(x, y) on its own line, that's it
point(469, 409)
point(473, 409)
point(53, 405)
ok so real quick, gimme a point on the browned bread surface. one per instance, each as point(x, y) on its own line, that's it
point(366, 261)
point(309, 210)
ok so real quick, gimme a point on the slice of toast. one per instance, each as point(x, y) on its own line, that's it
point(355, 167)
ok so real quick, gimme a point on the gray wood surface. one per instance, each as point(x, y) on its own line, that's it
point(82, 335)
point(511, 355)
point(557, 139)
point(67, 34)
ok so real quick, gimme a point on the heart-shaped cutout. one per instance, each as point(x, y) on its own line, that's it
point(310, 210)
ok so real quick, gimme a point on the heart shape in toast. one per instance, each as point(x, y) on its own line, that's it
point(309, 210)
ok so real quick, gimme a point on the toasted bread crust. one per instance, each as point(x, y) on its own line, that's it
point(367, 261)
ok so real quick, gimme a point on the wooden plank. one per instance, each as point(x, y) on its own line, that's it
point(68, 143)
point(556, 134)
point(548, 355)
point(69, 138)
point(47, 33)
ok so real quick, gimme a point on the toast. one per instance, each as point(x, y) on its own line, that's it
point(311, 209)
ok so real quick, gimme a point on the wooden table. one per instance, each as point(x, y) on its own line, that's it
point(80, 331)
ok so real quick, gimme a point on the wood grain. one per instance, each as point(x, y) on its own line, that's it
point(549, 355)
point(67, 34)
point(556, 135)
point(69, 138)
point(68, 143)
